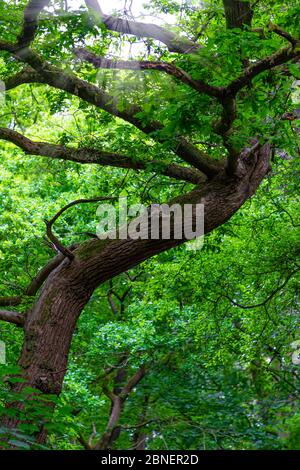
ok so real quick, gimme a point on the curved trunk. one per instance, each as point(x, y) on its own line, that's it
point(112, 431)
point(50, 325)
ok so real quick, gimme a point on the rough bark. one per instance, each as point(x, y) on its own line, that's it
point(118, 397)
point(99, 157)
point(50, 325)
point(12, 317)
point(70, 282)
point(237, 13)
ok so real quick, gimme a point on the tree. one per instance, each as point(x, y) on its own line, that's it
point(218, 135)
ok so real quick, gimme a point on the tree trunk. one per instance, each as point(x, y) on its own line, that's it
point(50, 325)
point(139, 436)
point(237, 13)
point(112, 432)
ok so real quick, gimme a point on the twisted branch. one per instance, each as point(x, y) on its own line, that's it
point(168, 68)
point(100, 157)
point(49, 223)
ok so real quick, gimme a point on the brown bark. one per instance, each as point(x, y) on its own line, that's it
point(69, 282)
point(48, 332)
point(139, 435)
point(237, 13)
point(118, 397)
point(98, 157)
point(50, 325)
point(140, 440)
point(12, 317)
point(174, 42)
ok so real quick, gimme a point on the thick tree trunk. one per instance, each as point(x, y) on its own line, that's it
point(48, 333)
point(237, 13)
point(50, 325)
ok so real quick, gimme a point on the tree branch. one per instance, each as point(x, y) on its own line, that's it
point(224, 129)
point(238, 13)
point(278, 58)
point(12, 317)
point(225, 126)
point(173, 42)
point(85, 444)
point(284, 34)
point(118, 397)
point(170, 69)
point(11, 300)
point(133, 381)
point(30, 22)
point(36, 283)
point(269, 297)
point(94, 95)
point(112, 304)
point(69, 82)
point(88, 445)
point(100, 157)
point(28, 75)
point(107, 392)
point(43, 274)
point(49, 223)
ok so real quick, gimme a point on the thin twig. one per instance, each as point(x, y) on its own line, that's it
point(49, 223)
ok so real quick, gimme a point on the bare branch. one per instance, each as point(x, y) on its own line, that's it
point(173, 42)
point(56, 242)
point(12, 317)
point(30, 22)
point(49, 223)
point(36, 283)
point(276, 29)
point(278, 58)
point(80, 201)
point(134, 380)
point(100, 157)
point(170, 69)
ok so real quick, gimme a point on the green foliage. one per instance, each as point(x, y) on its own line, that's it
point(214, 327)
